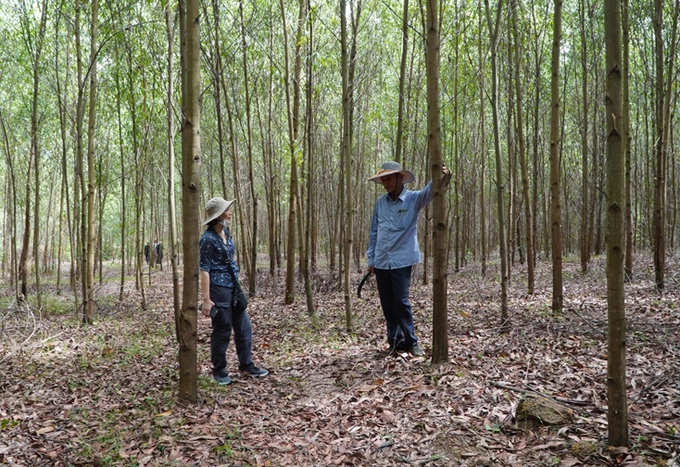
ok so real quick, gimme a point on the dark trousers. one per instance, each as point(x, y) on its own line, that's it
point(393, 287)
point(222, 324)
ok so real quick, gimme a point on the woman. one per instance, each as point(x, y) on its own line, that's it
point(219, 275)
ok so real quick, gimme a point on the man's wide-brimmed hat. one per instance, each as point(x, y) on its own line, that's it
point(389, 168)
point(215, 207)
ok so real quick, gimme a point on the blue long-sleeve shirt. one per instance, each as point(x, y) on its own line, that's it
point(393, 237)
point(214, 257)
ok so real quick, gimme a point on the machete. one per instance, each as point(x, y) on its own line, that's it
point(361, 284)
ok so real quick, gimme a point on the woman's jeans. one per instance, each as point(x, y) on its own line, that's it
point(393, 287)
point(222, 324)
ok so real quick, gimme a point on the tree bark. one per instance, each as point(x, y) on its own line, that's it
point(402, 83)
point(252, 263)
point(191, 189)
point(556, 215)
point(440, 341)
point(494, 29)
point(88, 290)
point(528, 213)
point(585, 208)
point(170, 30)
point(617, 413)
point(628, 265)
point(289, 296)
point(346, 161)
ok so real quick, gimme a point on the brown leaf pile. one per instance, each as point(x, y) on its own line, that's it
point(107, 394)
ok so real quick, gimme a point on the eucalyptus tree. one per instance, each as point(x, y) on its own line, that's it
point(309, 175)
point(482, 141)
point(80, 184)
point(664, 96)
point(252, 263)
point(402, 83)
point(440, 341)
point(346, 161)
point(190, 38)
point(62, 96)
point(33, 39)
point(585, 208)
point(170, 28)
point(11, 209)
point(291, 86)
point(89, 219)
point(555, 212)
point(493, 25)
point(35, 46)
point(617, 411)
point(625, 80)
point(528, 213)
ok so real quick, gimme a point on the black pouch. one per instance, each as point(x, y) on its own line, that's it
point(239, 302)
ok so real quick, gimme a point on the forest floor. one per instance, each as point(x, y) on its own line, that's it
point(106, 394)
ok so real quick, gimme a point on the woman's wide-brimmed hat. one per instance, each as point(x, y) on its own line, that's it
point(215, 207)
point(389, 168)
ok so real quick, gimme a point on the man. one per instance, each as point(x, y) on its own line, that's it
point(393, 250)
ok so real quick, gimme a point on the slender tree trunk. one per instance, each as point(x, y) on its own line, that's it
point(170, 28)
point(494, 30)
point(346, 161)
point(628, 265)
point(663, 117)
point(35, 148)
point(585, 208)
point(311, 204)
point(528, 213)
point(191, 189)
point(440, 341)
point(617, 413)
point(14, 276)
point(512, 156)
point(482, 146)
point(252, 265)
point(80, 189)
point(289, 297)
point(555, 162)
point(402, 83)
point(88, 290)
point(123, 203)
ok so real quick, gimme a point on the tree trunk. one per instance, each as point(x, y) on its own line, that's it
point(346, 162)
point(663, 100)
point(528, 213)
point(289, 297)
point(14, 276)
point(402, 82)
point(170, 29)
point(556, 221)
point(625, 80)
point(35, 148)
point(252, 264)
point(585, 208)
point(191, 189)
point(617, 413)
point(88, 273)
point(482, 147)
point(310, 200)
point(494, 33)
point(123, 203)
point(440, 341)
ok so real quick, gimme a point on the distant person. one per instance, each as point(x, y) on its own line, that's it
point(159, 254)
point(146, 252)
point(217, 266)
point(393, 250)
